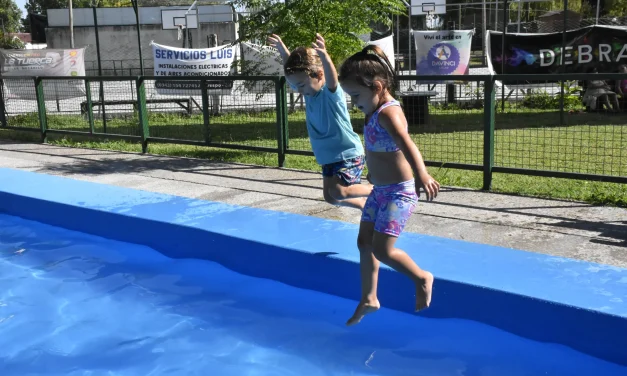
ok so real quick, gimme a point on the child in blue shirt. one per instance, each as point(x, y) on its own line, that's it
point(336, 146)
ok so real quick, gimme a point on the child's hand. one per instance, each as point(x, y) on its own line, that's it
point(319, 45)
point(276, 42)
point(429, 184)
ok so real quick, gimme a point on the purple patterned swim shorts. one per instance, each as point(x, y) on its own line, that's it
point(390, 206)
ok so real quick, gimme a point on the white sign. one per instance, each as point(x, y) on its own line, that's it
point(194, 63)
point(387, 45)
point(443, 52)
point(262, 60)
point(44, 62)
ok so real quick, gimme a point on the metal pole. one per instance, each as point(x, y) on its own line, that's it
point(519, 12)
point(409, 41)
point(484, 32)
point(97, 40)
point(562, 62)
point(139, 37)
point(101, 91)
point(496, 15)
point(398, 41)
point(71, 24)
point(598, 6)
point(459, 18)
point(503, 54)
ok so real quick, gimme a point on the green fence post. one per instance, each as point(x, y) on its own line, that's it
point(41, 108)
point(280, 94)
point(488, 133)
point(90, 111)
point(142, 112)
point(286, 128)
point(205, 111)
point(3, 110)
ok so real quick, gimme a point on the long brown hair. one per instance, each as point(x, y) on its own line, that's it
point(367, 66)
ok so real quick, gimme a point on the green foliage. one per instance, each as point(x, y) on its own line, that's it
point(545, 101)
point(10, 43)
point(616, 8)
point(10, 15)
point(297, 22)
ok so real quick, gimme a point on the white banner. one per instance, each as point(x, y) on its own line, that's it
point(387, 45)
point(195, 63)
point(443, 52)
point(262, 60)
point(44, 62)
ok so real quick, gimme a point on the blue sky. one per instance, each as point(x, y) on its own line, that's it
point(21, 4)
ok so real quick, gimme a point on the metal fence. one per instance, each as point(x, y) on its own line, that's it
point(518, 124)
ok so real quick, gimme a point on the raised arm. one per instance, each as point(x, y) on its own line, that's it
point(276, 42)
point(329, 69)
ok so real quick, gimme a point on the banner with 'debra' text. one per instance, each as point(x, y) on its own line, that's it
point(600, 47)
point(443, 52)
point(197, 63)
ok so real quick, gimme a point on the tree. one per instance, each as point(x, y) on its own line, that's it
point(10, 43)
point(297, 21)
point(40, 7)
point(615, 8)
point(9, 16)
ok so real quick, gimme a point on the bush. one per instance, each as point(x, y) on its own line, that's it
point(11, 43)
point(544, 101)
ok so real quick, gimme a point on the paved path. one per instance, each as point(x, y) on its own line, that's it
point(560, 228)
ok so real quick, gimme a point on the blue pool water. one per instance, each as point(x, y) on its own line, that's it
point(75, 304)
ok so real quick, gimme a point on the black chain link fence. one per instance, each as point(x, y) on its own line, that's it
point(535, 128)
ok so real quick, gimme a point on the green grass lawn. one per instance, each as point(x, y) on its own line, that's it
point(533, 139)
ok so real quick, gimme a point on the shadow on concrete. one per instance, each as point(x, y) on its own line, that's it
point(609, 230)
point(119, 163)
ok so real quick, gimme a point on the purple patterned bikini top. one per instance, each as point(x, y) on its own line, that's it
point(376, 137)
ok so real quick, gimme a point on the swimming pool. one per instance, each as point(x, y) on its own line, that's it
point(76, 304)
point(167, 281)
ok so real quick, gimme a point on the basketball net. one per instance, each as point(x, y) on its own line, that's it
point(180, 31)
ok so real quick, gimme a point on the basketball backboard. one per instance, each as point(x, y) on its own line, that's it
point(424, 7)
point(171, 19)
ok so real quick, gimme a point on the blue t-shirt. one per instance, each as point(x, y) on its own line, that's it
point(329, 127)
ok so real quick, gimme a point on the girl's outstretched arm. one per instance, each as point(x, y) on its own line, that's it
point(329, 69)
point(395, 123)
point(276, 42)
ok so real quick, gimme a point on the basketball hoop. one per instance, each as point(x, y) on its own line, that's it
point(180, 31)
point(428, 8)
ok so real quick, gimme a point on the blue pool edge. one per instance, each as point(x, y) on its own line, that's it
point(320, 255)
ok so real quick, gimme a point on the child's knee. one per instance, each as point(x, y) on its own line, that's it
point(337, 192)
point(364, 244)
point(381, 253)
point(328, 197)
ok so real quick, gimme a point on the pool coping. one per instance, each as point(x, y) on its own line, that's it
point(574, 298)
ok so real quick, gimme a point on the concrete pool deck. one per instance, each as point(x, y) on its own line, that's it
point(560, 228)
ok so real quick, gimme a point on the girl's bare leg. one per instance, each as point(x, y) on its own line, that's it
point(384, 251)
point(353, 196)
point(369, 269)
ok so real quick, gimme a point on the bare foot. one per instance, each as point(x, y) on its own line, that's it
point(362, 310)
point(423, 292)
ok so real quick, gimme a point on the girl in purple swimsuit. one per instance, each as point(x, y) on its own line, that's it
point(393, 160)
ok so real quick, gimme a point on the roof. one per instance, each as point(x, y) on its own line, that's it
point(556, 12)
